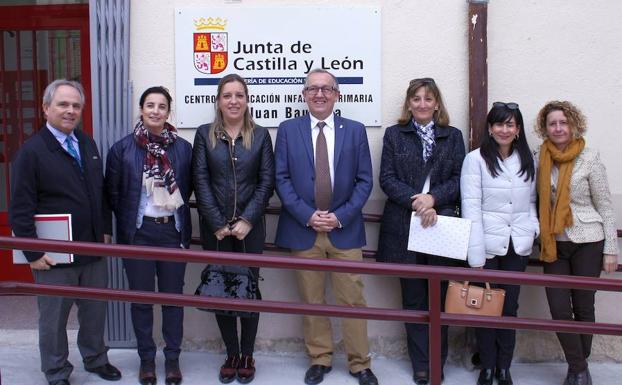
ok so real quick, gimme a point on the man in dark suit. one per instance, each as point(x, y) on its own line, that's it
point(323, 178)
point(57, 171)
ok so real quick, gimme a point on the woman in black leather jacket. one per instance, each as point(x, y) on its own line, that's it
point(233, 170)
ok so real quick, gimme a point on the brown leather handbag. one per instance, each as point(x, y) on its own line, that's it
point(463, 298)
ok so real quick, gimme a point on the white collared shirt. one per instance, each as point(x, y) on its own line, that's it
point(62, 137)
point(329, 133)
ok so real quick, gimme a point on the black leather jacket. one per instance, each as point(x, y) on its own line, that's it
point(230, 181)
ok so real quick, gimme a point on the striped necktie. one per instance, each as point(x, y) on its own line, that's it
point(72, 151)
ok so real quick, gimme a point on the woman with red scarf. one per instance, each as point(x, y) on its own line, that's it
point(149, 182)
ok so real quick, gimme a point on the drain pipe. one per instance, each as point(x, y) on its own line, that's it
point(478, 70)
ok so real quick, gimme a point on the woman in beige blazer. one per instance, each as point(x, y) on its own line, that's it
point(577, 226)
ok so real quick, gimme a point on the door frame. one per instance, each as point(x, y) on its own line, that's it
point(48, 17)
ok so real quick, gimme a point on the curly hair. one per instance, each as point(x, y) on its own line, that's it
point(576, 119)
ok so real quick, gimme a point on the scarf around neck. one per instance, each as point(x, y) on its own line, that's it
point(158, 173)
point(553, 220)
point(426, 133)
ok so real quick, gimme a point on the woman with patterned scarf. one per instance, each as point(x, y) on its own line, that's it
point(149, 182)
point(577, 225)
point(420, 172)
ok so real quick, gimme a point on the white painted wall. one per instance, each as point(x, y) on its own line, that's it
point(538, 51)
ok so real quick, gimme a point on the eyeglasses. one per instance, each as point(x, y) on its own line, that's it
point(511, 105)
point(422, 80)
point(327, 91)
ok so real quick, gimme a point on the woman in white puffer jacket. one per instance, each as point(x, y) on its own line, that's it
point(498, 191)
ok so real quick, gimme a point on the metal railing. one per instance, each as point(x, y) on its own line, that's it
point(367, 217)
point(434, 317)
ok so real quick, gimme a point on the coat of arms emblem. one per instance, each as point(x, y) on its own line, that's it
point(210, 48)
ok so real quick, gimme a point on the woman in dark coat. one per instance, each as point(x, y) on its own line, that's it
point(233, 168)
point(422, 144)
point(149, 182)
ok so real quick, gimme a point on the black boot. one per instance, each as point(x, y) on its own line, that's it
point(504, 377)
point(485, 377)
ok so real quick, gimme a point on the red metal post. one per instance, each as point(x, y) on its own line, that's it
point(35, 84)
point(5, 154)
point(434, 340)
point(18, 90)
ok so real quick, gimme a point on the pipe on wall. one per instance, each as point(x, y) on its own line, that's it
point(478, 70)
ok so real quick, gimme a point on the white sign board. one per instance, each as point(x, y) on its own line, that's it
point(274, 48)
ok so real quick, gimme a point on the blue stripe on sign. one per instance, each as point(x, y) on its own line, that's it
point(206, 81)
point(276, 81)
point(350, 79)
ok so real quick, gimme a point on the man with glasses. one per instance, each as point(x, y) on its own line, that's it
point(59, 171)
point(323, 178)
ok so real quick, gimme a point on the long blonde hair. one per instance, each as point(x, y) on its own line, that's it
point(219, 123)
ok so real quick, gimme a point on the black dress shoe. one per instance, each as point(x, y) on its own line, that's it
point(173, 373)
point(504, 377)
point(485, 377)
point(421, 377)
point(366, 377)
point(569, 380)
point(146, 373)
point(583, 378)
point(106, 372)
point(315, 374)
point(59, 382)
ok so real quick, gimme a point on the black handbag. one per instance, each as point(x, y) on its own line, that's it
point(229, 282)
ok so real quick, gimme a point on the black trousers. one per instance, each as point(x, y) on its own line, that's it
point(141, 275)
point(582, 259)
point(228, 325)
point(415, 297)
point(496, 346)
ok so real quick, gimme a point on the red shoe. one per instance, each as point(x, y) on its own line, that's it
point(246, 369)
point(229, 368)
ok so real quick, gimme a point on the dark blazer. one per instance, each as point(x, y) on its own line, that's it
point(402, 175)
point(124, 178)
point(46, 179)
point(295, 175)
point(225, 192)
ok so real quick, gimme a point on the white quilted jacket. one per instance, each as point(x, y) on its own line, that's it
point(499, 208)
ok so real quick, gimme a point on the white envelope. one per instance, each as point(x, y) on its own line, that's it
point(449, 237)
